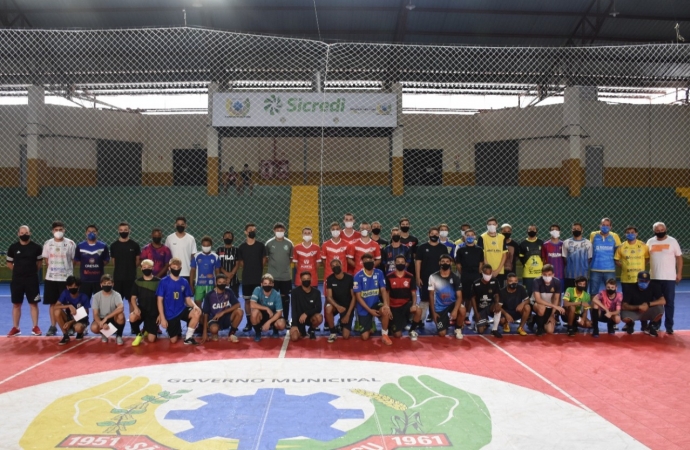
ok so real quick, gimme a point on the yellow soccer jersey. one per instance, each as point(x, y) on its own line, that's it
point(633, 258)
point(494, 248)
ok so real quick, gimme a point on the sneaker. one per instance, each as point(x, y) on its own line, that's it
point(104, 339)
point(669, 330)
point(496, 334)
point(119, 340)
point(312, 334)
point(247, 328)
point(332, 337)
point(52, 331)
point(629, 328)
point(572, 331)
point(408, 326)
point(413, 335)
point(257, 336)
point(386, 340)
point(80, 336)
point(37, 331)
point(540, 331)
point(70, 332)
point(233, 338)
point(521, 331)
point(275, 332)
point(64, 340)
point(651, 330)
point(506, 327)
point(137, 340)
point(190, 341)
point(610, 328)
point(458, 333)
point(14, 332)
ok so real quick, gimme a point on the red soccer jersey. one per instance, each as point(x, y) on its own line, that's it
point(305, 259)
point(358, 248)
point(331, 250)
point(355, 236)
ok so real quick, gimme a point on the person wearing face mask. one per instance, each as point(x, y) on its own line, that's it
point(360, 247)
point(445, 290)
point(407, 239)
point(267, 308)
point(251, 256)
point(513, 249)
point(514, 303)
point(24, 258)
point(606, 307)
point(221, 311)
point(392, 251)
point(126, 255)
point(546, 298)
point(144, 304)
point(306, 308)
point(646, 304)
point(494, 245)
point(632, 257)
point(376, 235)
point(402, 291)
point(182, 245)
point(530, 256)
point(280, 252)
point(469, 260)
point(576, 301)
point(227, 254)
point(66, 307)
point(426, 263)
point(463, 229)
point(158, 253)
point(552, 253)
point(307, 257)
point(340, 301)
point(666, 266)
point(369, 286)
point(349, 234)
point(108, 310)
point(485, 302)
point(334, 249)
point(91, 256)
point(577, 252)
point(604, 245)
point(203, 268)
point(176, 304)
point(58, 257)
point(443, 231)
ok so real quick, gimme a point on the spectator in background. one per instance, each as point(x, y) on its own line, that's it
point(376, 235)
point(230, 180)
point(126, 255)
point(666, 263)
point(530, 256)
point(158, 253)
point(349, 234)
point(443, 239)
point(229, 262)
point(251, 255)
point(604, 244)
point(246, 182)
point(552, 253)
point(577, 252)
point(24, 258)
point(632, 257)
point(392, 251)
point(91, 256)
point(58, 256)
point(280, 252)
point(513, 251)
point(182, 245)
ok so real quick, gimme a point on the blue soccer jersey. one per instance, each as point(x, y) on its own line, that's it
point(369, 287)
point(603, 251)
point(174, 293)
point(272, 302)
point(81, 300)
point(91, 260)
point(445, 290)
point(388, 255)
point(205, 265)
point(577, 255)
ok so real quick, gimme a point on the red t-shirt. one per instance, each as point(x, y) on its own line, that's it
point(305, 259)
point(356, 235)
point(358, 248)
point(331, 250)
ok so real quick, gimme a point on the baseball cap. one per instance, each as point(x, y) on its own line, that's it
point(643, 275)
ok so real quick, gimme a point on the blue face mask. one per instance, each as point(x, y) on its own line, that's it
point(643, 284)
point(91, 236)
point(630, 236)
point(469, 239)
point(605, 229)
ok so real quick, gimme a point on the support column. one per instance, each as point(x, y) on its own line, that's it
point(397, 180)
point(574, 99)
point(33, 120)
point(212, 168)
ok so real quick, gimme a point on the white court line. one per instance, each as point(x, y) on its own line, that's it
point(283, 349)
point(538, 375)
point(44, 361)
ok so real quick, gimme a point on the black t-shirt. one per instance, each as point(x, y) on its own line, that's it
point(511, 300)
point(24, 258)
point(341, 289)
point(308, 303)
point(382, 244)
point(512, 258)
point(145, 292)
point(252, 257)
point(429, 255)
point(638, 296)
point(125, 255)
point(469, 257)
point(411, 242)
point(228, 261)
point(484, 293)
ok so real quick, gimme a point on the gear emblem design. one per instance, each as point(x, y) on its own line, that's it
point(273, 104)
point(263, 419)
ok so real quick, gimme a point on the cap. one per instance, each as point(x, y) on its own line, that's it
point(643, 275)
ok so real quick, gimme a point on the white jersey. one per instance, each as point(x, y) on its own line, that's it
point(60, 259)
point(182, 248)
point(662, 258)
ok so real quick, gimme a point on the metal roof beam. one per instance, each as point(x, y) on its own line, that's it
point(9, 8)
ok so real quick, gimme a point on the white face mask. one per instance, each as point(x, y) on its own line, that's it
point(444, 234)
point(555, 234)
point(486, 277)
point(462, 233)
point(280, 234)
point(206, 249)
point(306, 238)
point(547, 279)
point(349, 224)
point(58, 235)
point(364, 233)
point(335, 233)
point(491, 228)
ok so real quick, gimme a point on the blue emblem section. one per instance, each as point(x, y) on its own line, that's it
point(262, 419)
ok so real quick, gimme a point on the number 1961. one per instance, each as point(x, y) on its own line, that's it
point(418, 440)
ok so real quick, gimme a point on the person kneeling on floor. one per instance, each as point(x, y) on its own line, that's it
point(646, 303)
point(221, 311)
point(175, 304)
point(66, 308)
point(306, 309)
point(267, 307)
point(445, 293)
point(606, 307)
point(576, 301)
point(108, 310)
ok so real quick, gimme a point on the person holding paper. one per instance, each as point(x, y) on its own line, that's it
point(72, 310)
point(108, 311)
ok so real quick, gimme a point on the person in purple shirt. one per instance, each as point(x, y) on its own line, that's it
point(158, 253)
point(91, 256)
point(552, 253)
point(221, 311)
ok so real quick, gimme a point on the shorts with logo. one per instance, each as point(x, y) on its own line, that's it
point(25, 287)
point(401, 314)
point(91, 288)
point(201, 291)
point(52, 291)
point(444, 318)
point(366, 321)
point(175, 324)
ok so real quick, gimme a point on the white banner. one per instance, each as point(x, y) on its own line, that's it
point(304, 109)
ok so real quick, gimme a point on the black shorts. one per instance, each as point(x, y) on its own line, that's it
point(223, 324)
point(265, 317)
point(344, 325)
point(52, 291)
point(401, 314)
point(366, 321)
point(247, 290)
point(124, 288)
point(514, 313)
point(90, 288)
point(467, 280)
point(149, 317)
point(28, 287)
point(302, 327)
point(481, 317)
point(444, 318)
point(283, 287)
point(175, 324)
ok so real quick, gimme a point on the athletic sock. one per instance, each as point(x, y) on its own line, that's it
point(497, 319)
point(384, 332)
point(257, 329)
point(120, 329)
point(233, 330)
point(595, 320)
point(136, 327)
point(190, 333)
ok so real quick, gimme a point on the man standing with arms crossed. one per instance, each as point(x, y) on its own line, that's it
point(666, 263)
point(24, 259)
point(280, 252)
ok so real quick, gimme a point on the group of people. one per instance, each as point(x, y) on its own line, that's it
point(470, 282)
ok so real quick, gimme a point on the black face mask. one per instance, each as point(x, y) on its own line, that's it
point(395, 238)
point(531, 233)
point(25, 237)
point(251, 234)
point(445, 266)
point(147, 272)
point(610, 291)
point(267, 289)
point(400, 267)
point(227, 241)
point(507, 235)
point(581, 288)
point(337, 270)
point(180, 228)
point(660, 235)
point(306, 283)
point(221, 286)
point(124, 234)
point(433, 238)
point(156, 240)
point(176, 272)
point(107, 288)
point(369, 265)
point(376, 231)
point(577, 233)
point(73, 290)
point(512, 285)
point(404, 229)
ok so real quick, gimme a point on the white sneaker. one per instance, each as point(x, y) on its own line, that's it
point(234, 338)
point(104, 339)
point(413, 335)
point(458, 333)
point(120, 341)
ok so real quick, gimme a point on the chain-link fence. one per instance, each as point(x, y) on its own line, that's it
point(301, 132)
